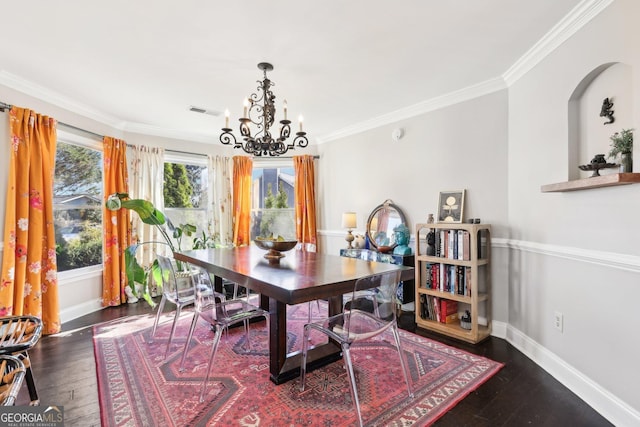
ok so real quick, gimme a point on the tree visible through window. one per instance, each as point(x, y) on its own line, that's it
point(185, 193)
point(77, 206)
point(273, 199)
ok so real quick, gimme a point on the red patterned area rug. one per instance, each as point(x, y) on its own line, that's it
point(139, 387)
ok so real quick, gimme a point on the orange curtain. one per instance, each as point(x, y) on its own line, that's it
point(242, 169)
point(117, 227)
point(29, 269)
point(305, 186)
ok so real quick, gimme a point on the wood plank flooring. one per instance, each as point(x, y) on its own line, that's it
point(520, 394)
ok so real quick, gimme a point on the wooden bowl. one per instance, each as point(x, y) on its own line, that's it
point(385, 249)
point(275, 247)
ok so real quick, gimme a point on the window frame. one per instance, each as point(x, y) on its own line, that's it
point(274, 163)
point(187, 159)
point(92, 271)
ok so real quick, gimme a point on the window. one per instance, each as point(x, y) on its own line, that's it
point(77, 203)
point(185, 195)
point(273, 202)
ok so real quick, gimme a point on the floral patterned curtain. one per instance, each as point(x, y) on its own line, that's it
point(29, 269)
point(305, 209)
point(220, 171)
point(147, 183)
point(242, 169)
point(117, 228)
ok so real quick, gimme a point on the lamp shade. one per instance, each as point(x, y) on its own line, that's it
point(349, 220)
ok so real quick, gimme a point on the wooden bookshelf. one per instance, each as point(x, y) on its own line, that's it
point(477, 272)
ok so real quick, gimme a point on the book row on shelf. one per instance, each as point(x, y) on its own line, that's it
point(454, 279)
point(438, 309)
point(453, 244)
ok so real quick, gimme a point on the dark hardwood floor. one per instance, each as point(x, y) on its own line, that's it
point(520, 394)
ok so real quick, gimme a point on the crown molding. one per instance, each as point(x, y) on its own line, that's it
point(47, 95)
point(423, 107)
point(169, 133)
point(568, 26)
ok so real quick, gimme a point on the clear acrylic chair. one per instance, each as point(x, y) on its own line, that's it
point(177, 288)
point(358, 322)
point(12, 373)
point(220, 314)
point(18, 334)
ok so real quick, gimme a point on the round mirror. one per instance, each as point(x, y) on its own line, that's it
point(382, 220)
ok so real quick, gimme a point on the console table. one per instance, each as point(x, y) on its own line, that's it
point(406, 290)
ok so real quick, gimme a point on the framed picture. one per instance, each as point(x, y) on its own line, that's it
point(451, 206)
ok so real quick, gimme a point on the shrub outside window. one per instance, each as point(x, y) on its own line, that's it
point(77, 206)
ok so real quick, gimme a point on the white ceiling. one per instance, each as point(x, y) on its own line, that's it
point(139, 64)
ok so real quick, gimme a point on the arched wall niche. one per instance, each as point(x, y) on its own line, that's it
point(588, 133)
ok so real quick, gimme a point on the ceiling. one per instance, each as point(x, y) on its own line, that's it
point(139, 65)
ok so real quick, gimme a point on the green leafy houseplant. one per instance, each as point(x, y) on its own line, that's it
point(152, 216)
point(621, 142)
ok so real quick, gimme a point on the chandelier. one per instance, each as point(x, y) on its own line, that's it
point(260, 110)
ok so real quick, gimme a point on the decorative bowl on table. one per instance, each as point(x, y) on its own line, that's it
point(275, 248)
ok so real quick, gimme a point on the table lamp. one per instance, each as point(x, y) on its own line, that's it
point(349, 222)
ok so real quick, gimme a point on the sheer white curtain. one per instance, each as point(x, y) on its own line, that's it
point(147, 182)
point(220, 200)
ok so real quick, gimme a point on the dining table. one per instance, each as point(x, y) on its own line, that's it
point(298, 277)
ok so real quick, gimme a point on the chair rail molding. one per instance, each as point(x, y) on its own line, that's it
point(607, 259)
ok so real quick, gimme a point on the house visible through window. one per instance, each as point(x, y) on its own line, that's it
point(273, 202)
point(185, 197)
point(77, 206)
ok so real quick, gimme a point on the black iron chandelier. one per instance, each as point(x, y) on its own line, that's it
point(260, 110)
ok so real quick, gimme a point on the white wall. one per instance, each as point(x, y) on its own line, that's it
point(577, 252)
point(463, 146)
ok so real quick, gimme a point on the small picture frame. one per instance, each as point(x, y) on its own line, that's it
point(451, 206)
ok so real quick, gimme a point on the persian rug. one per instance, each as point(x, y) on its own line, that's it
point(138, 387)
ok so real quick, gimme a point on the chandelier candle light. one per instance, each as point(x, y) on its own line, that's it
point(260, 110)
point(349, 222)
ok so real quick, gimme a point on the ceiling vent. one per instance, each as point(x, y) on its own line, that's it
point(203, 111)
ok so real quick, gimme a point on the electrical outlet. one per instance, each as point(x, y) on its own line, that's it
point(558, 320)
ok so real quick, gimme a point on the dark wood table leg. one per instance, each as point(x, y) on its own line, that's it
point(284, 367)
point(277, 338)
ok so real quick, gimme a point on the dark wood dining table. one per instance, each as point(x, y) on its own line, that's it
point(298, 277)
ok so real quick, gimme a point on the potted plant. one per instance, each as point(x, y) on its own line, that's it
point(622, 143)
point(136, 274)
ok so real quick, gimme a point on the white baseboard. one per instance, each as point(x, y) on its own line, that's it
point(80, 310)
point(499, 329)
point(601, 400)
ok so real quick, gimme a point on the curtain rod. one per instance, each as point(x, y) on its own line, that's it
point(5, 106)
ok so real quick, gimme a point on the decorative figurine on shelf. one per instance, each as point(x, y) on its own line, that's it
point(597, 163)
point(465, 320)
point(359, 241)
point(430, 219)
point(402, 236)
point(607, 111)
point(431, 243)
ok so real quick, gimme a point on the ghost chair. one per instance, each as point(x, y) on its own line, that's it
point(178, 289)
point(358, 323)
point(221, 314)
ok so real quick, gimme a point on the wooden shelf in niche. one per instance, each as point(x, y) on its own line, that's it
point(593, 182)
